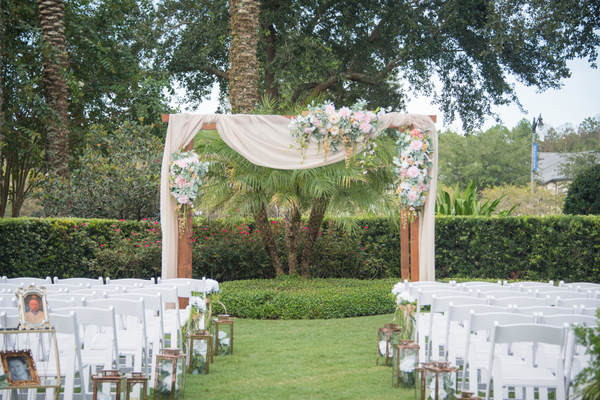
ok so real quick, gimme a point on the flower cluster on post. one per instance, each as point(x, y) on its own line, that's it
point(406, 307)
point(336, 129)
point(185, 177)
point(414, 148)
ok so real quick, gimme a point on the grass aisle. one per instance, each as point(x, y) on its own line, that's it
point(300, 359)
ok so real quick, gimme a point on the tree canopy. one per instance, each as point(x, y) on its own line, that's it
point(386, 50)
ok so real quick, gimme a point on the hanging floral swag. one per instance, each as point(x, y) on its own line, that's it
point(335, 130)
point(185, 178)
point(414, 148)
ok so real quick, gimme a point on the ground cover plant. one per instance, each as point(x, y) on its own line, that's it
point(309, 359)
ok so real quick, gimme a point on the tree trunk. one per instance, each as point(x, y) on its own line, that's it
point(292, 239)
point(314, 223)
point(271, 90)
point(243, 73)
point(264, 230)
point(4, 173)
point(51, 14)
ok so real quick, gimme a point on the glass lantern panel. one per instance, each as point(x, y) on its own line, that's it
point(430, 385)
point(383, 347)
point(406, 368)
point(164, 379)
point(224, 339)
point(448, 382)
point(198, 356)
point(180, 383)
point(106, 391)
point(418, 384)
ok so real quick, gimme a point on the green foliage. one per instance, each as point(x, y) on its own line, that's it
point(306, 47)
point(118, 176)
point(531, 248)
point(587, 383)
point(466, 204)
point(511, 248)
point(583, 197)
point(296, 298)
point(542, 202)
point(495, 157)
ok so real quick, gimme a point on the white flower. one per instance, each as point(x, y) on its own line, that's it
point(405, 165)
point(405, 296)
point(360, 139)
point(408, 364)
point(200, 347)
point(334, 118)
point(335, 130)
point(222, 335)
point(398, 287)
point(382, 347)
point(198, 303)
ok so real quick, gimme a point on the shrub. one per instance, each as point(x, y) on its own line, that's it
point(296, 298)
point(583, 197)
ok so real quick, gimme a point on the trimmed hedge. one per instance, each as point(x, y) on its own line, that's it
point(532, 248)
point(296, 298)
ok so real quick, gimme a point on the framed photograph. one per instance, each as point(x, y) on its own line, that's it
point(20, 367)
point(33, 308)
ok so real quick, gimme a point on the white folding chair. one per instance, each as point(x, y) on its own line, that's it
point(60, 288)
point(86, 282)
point(530, 285)
point(583, 310)
point(546, 310)
point(519, 301)
point(493, 288)
point(563, 294)
point(595, 303)
point(475, 283)
point(500, 294)
point(131, 282)
point(78, 298)
point(93, 322)
point(131, 331)
point(527, 376)
point(478, 350)
point(54, 303)
point(25, 281)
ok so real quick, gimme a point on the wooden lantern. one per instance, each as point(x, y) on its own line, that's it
point(405, 362)
point(110, 377)
point(223, 335)
point(169, 382)
point(199, 352)
point(135, 378)
point(439, 381)
point(386, 338)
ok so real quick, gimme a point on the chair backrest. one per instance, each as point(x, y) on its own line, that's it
point(442, 304)
point(577, 302)
point(529, 285)
point(56, 287)
point(424, 298)
point(499, 294)
point(584, 285)
point(151, 301)
point(536, 333)
point(559, 320)
point(130, 308)
point(130, 281)
point(486, 322)
point(29, 281)
point(519, 301)
point(8, 300)
point(170, 294)
point(488, 288)
point(588, 311)
point(10, 287)
point(564, 294)
point(10, 310)
point(414, 290)
point(457, 313)
point(475, 283)
point(79, 281)
point(546, 310)
point(54, 303)
point(77, 297)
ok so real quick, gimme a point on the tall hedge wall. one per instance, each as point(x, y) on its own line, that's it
point(559, 247)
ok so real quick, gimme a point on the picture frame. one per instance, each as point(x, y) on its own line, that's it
point(20, 367)
point(33, 308)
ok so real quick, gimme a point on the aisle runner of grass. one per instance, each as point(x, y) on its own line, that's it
point(300, 359)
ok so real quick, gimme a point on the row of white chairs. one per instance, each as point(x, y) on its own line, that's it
point(144, 320)
point(456, 314)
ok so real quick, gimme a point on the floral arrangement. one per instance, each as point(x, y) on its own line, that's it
point(406, 309)
point(414, 148)
point(185, 177)
point(407, 372)
point(335, 129)
point(199, 309)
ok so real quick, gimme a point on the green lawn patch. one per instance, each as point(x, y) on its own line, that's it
point(300, 359)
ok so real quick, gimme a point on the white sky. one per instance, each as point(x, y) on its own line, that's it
point(579, 98)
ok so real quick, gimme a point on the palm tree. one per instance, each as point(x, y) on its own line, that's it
point(235, 187)
point(52, 21)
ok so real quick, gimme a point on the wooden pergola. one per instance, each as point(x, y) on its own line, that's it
point(409, 233)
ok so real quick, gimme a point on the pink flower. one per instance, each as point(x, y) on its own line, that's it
point(416, 133)
point(183, 199)
point(180, 181)
point(101, 245)
point(345, 112)
point(145, 219)
point(314, 121)
point(413, 196)
point(416, 145)
point(308, 130)
point(359, 116)
point(181, 163)
point(365, 127)
point(83, 223)
point(363, 248)
point(369, 116)
point(330, 109)
point(413, 172)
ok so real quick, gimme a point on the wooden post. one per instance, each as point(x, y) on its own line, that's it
point(414, 250)
point(184, 249)
point(404, 246)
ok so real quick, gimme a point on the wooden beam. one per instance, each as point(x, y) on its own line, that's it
point(404, 246)
point(184, 248)
point(207, 127)
point(414, 250)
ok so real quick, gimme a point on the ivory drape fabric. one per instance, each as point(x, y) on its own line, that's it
point(265, 140)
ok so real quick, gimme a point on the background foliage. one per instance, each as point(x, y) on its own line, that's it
point(584, 193)
point(557, 247)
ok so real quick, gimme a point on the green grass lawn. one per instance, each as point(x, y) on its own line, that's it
point(300, 359)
